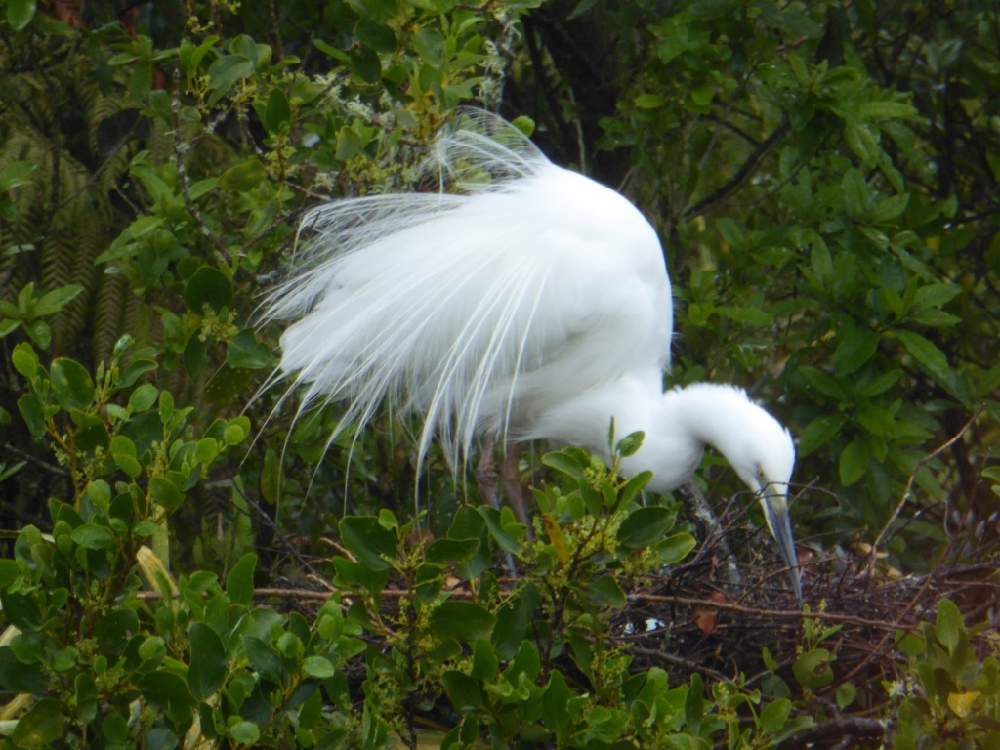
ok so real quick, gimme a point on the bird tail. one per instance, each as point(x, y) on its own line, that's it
point(409, 298)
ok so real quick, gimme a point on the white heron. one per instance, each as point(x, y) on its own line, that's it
point(532, 304)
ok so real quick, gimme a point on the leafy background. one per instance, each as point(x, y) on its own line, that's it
point(183, 566)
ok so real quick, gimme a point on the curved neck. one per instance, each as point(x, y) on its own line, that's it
point(713, 412)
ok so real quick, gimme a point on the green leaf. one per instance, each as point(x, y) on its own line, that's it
point(318, 667)
point(556, 702)
point(33, 414)
point(501, 533)
point(227, 70)
point(649, 101)
point(16, 173)
point(463, 621)
point(675, 548)
point(854, 462)
point(630, 444)
point(885, 110)
point(166, 687)
point(41, 726)
point(845, 695)
point(7, 327)
point(928, 356)
point(812, 669)
point(245, 732)
point(72, 384)
point(564, 462)
point(263, 659)
point(21, 678)
point(208, 661)
point(935, 295)
point(376, 36)
point(819, 431)
point(245, 351)
point(485, 665)
point(165, 494)
point(645, 526)
point(208, 286)
point(9, 572)
point(750, 315)
point(453, 551)
point(239, 582)
point(855, 347)
point(605, 591)
point(39, 332)
point(20, 13)
point(206, 450)
point(373, 545)
point(243, 177)
point(54, 301)
point(888, 209)
point(92, 536)
point(348, 144)
point(115, 728)
point(950, 625)
point(25, 360)
point(462, 690)
point(775, 714)
point(142, 398)
point(86, 697)
point(278, 111)
point(366, 65)
point(21, 610)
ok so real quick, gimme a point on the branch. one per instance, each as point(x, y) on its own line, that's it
point(909, 485)
point(743, 173)
point(857, 727)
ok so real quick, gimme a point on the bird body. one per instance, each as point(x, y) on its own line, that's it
point(533, 304)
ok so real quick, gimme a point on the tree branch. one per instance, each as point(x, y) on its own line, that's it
point(743, 173)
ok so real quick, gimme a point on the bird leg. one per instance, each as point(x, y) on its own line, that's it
point(486, 472)
point(486, 475)
point(510, 475)
point(711, 530)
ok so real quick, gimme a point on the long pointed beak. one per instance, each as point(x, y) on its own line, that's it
point(776, 512)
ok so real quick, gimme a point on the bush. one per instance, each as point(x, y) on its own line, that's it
point(187, 565)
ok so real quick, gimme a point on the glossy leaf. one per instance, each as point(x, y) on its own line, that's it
point(372, 544)
point(463, 621)
point(644, 526)
point(71, 384)
point(208, 661)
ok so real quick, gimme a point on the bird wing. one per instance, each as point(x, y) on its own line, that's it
point(473, 309)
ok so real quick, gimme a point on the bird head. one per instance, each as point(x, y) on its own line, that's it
point(764, 457)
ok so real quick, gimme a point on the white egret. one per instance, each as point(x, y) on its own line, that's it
point(532, 304)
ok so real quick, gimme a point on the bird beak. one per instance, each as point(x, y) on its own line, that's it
point(776, 513)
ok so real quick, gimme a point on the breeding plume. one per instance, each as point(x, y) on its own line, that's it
point(530, 303)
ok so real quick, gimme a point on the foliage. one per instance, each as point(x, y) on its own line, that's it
point(955, 699)
point(824, 177)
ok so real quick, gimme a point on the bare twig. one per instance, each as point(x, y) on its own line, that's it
point(743, 173)
point(909, 485)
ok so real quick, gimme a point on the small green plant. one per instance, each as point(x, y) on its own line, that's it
point(951, 697)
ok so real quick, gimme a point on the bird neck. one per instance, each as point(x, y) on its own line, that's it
point(716, 414)
point(707, 410)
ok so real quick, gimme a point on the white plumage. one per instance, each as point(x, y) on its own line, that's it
point(534, 303)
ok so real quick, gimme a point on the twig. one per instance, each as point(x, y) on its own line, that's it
point(841, 727)
point(742, 173)
point(51, 468)
point(764, 611)
point(909, 485)
point(677, 661)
